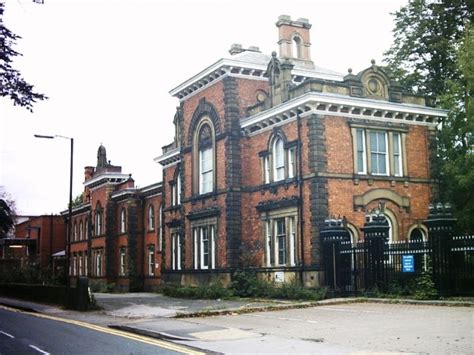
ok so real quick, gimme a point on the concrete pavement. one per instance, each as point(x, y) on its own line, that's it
point(180, 320)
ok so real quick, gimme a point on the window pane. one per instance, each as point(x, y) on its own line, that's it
point(378, 152)
point(281, 240)
point(279, 160)
point(291, 162)
point(397, 161)
point(205, 247)
point(360, 151)
point(206, 173)
point(266, 169)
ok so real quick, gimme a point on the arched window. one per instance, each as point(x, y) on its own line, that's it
point(74, 233)
point(278, 160)
point(81, 230)
point(123, 221)
point(205, 145)
point(296, 47)
point(178, 189)
point(151, 218)
point(86, 229)
point(98, 220)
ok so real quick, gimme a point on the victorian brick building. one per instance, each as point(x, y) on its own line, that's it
point(266, 147)
point(37, 240)
point(115, 237)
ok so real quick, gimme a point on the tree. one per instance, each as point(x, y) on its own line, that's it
point(7, 214)
point(457, 168)
point(432, 54)
point(426, 38)
point(12, 85)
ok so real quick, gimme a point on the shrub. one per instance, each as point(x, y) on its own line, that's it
point(292, 290)
point(425, 287)
point(213, 291)
point(246, 284)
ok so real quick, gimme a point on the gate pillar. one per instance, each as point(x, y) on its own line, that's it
point(375, 230)
point(440, 224)
point(335, 238)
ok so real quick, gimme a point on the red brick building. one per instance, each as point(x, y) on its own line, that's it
point(267, 147)
point(36, 240)
point(116, 236)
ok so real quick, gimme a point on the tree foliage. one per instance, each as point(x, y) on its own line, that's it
point(7, 214)
point(12, 85)
point(433, 54)
point(426, 38)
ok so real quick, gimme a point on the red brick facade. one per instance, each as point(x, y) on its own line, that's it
point(36, 240)
point(266, 148)
point(264, 156)
point(116, 235)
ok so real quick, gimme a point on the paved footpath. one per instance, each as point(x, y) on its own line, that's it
point(336, 326)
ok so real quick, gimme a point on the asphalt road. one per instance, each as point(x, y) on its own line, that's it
point(25, 333)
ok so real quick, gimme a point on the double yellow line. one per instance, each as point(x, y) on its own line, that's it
point(143, 339)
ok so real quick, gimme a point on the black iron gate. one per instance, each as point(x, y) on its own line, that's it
point(377, 264)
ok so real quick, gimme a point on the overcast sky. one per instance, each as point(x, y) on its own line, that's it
point(107, 67)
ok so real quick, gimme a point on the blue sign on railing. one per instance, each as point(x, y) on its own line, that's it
point(408, 263)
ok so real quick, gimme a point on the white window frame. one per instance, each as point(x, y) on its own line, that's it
point(86, 272)
point(151, 217)
point(123, 261)
point(397, 156)
point(378, 153)
point(266, 169)
point(278, 245)
point(81, 271)
point(199, 234)
point(175, 251)
point(278, 159)
point(292, 241)
point(268, 243)
point(81, 230)
point(273, 240)
point(361, 169)
point(98, 223)
point(151, 261)
point(206, 174)
point(291, 162)
point(74, 233)
point(123, 221)
point(98, 263)
point(204, 244)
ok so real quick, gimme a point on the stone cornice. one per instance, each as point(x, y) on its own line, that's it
point(342, 106)
point(240, 69)
point(169, 158)
point(111, 178)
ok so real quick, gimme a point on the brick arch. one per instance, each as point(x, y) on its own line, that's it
point(378, 194)
point(276, 133)
point(205, 108)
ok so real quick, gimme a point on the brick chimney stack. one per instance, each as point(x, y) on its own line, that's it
point(293, 39)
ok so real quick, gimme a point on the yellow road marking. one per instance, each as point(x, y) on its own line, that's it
point(140, 338)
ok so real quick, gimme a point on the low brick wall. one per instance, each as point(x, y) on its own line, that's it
point(79, 298)
point(35, 293)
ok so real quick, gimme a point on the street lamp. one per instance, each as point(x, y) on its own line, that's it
point(69, 219)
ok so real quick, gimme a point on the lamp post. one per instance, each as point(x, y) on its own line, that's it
point(69, 218)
